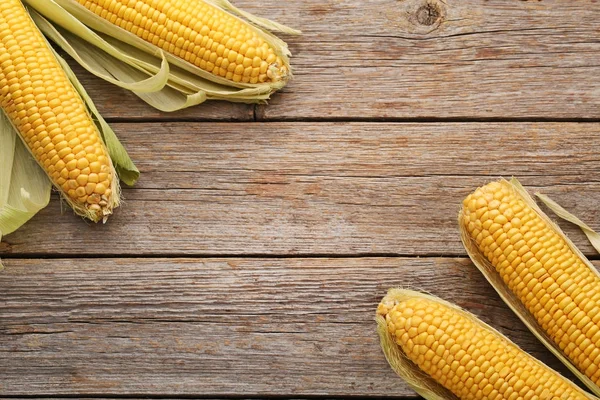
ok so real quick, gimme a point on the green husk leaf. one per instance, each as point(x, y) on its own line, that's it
point(73, 28)
point(418, 380)
point(124, 166)
point(557, 209)
point(490, 273)
point(24, 187)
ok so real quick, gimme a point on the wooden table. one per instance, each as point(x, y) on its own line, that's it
point(249, 259)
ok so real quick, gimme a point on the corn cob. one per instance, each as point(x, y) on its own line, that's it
point(464, 355)
point(536, 263)
point(50, 116)
point(198, 32)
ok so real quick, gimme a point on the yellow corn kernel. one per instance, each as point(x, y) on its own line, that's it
point(466, 356)
point(32, 80)
point(553, 282)
point(206, 34)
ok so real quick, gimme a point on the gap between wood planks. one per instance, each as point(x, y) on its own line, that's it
point(258, 117)
point(183, 397)
point(59, 256)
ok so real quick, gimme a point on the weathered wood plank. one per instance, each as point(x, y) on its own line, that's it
point(420, 59)
point(218, 326)
point(286, 188)
point(440, 59)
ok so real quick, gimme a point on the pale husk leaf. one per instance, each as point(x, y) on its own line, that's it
point(557, 209)
point(87, 57)
point(492, 276)
point(147, 77)
point(128, 48)
point(24, 187)
point(419, 381)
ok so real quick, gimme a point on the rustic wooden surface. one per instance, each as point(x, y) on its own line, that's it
point(249, 259)
point(317, 188)
point(188, 326)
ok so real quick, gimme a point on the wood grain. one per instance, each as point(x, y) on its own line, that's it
point(421, 59)
point(144, 307)
point(440, 59)
point(293, 189)
point(218, 326)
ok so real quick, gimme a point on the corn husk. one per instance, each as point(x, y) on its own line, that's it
point(489, 272)
point(418, 380)
point(25, 188)
point(126, 60)
point(557, 209)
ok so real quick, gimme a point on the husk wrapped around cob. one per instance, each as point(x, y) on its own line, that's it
point(446, 353)
point(60, 130)
point(188, 51)
point(538, 272)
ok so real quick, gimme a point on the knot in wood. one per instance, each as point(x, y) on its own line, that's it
point(428, 14)
point(419, 17)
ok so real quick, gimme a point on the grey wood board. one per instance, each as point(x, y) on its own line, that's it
point(316, 188)
point(216, 327)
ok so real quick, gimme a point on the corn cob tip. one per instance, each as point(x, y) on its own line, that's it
point(98, 207)
point(90, 199)
point(384, 306)
point(277, 73)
